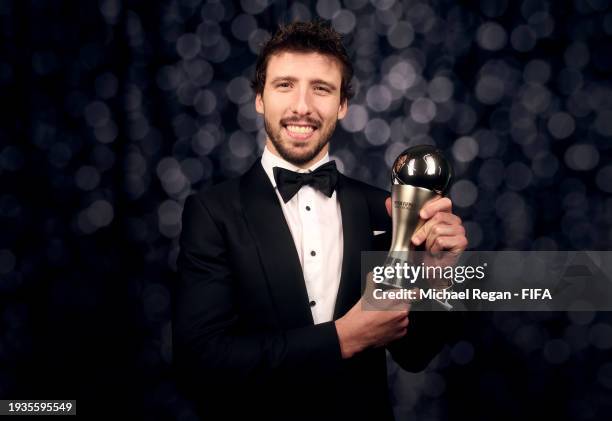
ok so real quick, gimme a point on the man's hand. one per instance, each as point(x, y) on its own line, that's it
point(359, 329)
point(441, 230)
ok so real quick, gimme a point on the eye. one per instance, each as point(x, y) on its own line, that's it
point(321, 88)
point(283, 85)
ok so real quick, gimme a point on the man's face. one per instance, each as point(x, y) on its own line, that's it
point(301, 105)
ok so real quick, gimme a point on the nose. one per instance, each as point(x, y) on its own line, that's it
point(302, 103)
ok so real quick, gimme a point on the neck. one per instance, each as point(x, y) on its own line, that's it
point(304, 165)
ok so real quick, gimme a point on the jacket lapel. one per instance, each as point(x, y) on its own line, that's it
point(357, 238)
point(276, 248)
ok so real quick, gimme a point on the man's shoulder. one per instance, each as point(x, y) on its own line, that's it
point(228, 189)
point(218, 196)
point(218, 190)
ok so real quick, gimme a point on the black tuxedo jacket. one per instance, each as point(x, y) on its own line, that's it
point(244, 340)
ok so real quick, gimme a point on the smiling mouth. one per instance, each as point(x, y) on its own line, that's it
point(299, 131)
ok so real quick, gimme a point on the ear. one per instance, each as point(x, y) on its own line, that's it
point(342, 110)
point(259, 105)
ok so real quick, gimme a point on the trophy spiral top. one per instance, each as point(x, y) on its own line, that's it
point(423, 166)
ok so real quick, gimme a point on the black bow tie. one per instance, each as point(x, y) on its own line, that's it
point(323, 179)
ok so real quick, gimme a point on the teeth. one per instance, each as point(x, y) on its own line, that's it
point(300, 129)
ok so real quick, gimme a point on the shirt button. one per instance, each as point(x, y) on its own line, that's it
point(307, 208)
point(313, 303)
point(313, 253)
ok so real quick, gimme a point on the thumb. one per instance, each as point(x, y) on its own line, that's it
point(388, 205)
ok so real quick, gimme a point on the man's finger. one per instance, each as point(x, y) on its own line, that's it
point(453, 244)
point(441, 217)
point(440, 204)
point(388, 205)
point(442, 230)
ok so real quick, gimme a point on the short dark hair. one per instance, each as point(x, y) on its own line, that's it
point(306, 37)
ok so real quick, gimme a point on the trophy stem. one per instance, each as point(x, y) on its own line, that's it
point(406, 203)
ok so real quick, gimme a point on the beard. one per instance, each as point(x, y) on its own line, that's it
point(298, 155)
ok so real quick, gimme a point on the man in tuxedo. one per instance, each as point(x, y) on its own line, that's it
point(268, 318)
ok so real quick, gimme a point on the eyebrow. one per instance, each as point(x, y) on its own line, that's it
point(312, 82)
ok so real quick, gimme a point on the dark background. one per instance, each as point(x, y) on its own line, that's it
point(115, 111)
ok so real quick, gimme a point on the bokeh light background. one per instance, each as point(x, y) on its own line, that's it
point(115, 111)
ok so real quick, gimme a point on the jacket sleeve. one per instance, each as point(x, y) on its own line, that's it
point(208, 340)
point(428, 333)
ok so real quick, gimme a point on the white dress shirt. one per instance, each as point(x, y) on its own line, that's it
point(315, 223)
